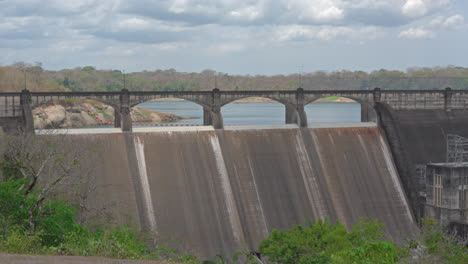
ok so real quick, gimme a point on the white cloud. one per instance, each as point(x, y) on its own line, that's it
point(416, 33)
point(414, 8)
point(315, 11)
point(451, 22)
point(325, 33)
point(248, 12)
point(226, 27)
point(418, 8)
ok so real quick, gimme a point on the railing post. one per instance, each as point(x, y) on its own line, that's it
point(301, 119)
point(117, 117)
point(125, 110)
point(448, 99)
point(25, 101)
point(216, 117)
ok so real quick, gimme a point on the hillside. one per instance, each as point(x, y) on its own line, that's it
point(20, 75)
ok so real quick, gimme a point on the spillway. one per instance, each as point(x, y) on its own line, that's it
point(211, 192)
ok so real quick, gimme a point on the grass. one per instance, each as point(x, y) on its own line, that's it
point(331, 98)
point(103, 112)
point(144, 112)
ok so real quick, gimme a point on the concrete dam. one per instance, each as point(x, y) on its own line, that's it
point(208, 192)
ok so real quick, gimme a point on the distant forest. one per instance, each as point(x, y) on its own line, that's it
point(14, 78)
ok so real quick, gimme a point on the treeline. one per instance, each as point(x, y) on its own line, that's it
point(34, 77)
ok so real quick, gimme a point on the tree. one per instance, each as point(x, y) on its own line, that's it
point(41, 162)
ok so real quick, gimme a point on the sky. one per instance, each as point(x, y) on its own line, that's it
point(235, 36)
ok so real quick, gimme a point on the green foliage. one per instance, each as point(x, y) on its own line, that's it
point(11, 213)
point(441, 244)
point(102, 112)
point(21, 242)
point(114, 242)
point(378, 252)
point(324, 242)
point(89, 78)
point(60, 220)
point(58, 233)
point(331, 98)
point(69, 101)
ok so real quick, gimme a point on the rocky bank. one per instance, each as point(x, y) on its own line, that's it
point(88, 113)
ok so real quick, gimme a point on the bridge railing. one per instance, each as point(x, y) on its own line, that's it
point(21, 104)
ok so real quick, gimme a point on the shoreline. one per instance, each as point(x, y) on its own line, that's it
point(249, 100)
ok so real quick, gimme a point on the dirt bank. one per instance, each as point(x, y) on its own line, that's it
point(84, 113)
point(36, 259)
point(333, 99)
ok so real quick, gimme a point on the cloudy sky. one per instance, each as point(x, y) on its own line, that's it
point(235, 36)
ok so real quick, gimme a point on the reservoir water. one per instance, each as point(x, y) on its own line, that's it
point(259, 113)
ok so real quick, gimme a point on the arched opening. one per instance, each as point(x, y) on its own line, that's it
point(167, 112)
point(72, 113)
point(337, 109)
point(253, 111)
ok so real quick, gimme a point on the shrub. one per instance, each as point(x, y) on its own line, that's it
point(442, 244)
point(20, 242)
point(58, 233)
point(324, 242)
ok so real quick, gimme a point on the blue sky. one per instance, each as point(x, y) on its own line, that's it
point(235, 36)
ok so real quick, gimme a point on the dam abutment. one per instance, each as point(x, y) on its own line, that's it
point(418, 137)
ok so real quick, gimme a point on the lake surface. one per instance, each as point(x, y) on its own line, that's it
point(260, 113)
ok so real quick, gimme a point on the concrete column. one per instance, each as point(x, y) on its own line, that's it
point(216, 117)
point(125, 110)
point(301, 119)
point(377, 95)
point(117, 117)
point(448, 99)
point(28, 121)
point(207, 116)
point(291, 115)
point(368, 113)
point(364, 113)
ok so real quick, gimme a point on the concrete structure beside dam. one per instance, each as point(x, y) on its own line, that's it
point(209, 192)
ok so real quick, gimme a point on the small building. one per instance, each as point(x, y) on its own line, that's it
point(447, 192)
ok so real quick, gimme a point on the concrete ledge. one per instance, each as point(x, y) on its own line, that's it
point(341, 125)
point(260, 127)
point(80, 131)
point(171, 129)
point(74, 131)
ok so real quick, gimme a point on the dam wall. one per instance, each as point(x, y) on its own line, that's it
point(418, 137)
point(211, 192)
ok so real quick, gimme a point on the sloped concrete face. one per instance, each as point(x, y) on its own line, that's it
point(214, 192)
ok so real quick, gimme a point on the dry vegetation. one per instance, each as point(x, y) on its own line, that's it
point(20, 75)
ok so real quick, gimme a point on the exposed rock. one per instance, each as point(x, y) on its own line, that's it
point(88, 113)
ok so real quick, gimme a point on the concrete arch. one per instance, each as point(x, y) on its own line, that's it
point(206, 107)
point(135, 103)
point(284, 101)
point(368, 111)
point(292, 112)
point(359, 100)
